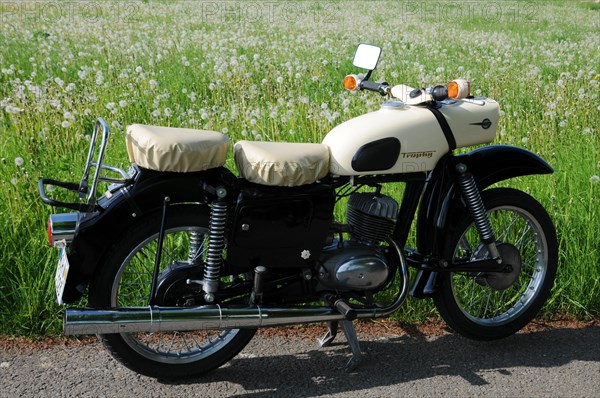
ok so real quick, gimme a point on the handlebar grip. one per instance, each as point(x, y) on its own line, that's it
point(381, 88)
point(371, 86)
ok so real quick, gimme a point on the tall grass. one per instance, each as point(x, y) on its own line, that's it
point(273, 73)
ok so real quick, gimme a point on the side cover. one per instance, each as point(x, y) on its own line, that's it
point(280, 227)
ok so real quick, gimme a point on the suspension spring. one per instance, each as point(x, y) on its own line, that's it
point(216, 245)
point(196, 241)
point(475, 205)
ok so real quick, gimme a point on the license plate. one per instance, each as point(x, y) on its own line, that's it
point(60, 280)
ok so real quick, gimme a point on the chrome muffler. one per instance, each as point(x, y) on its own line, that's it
point(166, 319)
point(161, 319)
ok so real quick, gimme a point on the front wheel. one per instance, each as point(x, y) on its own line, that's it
point(125, 279)
point(487, 306)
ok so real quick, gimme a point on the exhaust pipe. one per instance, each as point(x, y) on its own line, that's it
point(161, 319)
point(166, 319)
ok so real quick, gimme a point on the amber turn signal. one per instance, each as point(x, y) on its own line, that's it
point(351, 82)
point(459, 88)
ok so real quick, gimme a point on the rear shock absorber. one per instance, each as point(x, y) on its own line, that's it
point(196, 245)
point(475, 205)
point(216, 245)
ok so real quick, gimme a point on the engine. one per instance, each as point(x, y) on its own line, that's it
point(360, 263)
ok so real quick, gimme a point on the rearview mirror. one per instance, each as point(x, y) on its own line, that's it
point(366, 56)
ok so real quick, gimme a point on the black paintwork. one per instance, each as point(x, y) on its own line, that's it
point(272, 226)
point(285, 221)
point(377, 155)
point(442, 207)
point(145, 195)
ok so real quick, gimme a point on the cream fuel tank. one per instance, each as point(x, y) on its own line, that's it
point(409, 135)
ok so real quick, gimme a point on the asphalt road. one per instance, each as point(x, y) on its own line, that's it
point(548, 363)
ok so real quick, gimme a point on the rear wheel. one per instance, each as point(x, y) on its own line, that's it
point(124, 281)
point(486, 306)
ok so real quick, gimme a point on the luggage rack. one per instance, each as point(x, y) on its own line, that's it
point(85, 188)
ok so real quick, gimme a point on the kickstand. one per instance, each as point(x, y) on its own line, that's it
point(350, 332)
point(332, 329)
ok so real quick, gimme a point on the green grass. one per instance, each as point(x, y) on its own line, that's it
point(276, 75)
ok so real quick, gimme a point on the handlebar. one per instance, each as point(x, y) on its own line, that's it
point(381, 88)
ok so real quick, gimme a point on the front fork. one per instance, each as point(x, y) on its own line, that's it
point(472, 197)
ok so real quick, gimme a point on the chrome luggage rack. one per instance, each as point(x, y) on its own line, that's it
point(85, 189)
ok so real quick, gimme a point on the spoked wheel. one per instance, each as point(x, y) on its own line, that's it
point(125, 279)
point(486, 306)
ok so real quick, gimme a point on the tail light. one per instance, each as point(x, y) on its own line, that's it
point(62, 228)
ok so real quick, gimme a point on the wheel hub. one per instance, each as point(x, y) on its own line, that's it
point(500, 280)
point(172, 288)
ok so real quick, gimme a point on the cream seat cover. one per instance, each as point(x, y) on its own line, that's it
point(281, 163)
point(176, 149)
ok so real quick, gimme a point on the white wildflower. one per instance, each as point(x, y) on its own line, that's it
point(70, 87)
point(122, 103)
point(19, 161)
point(139, 69)
point(65, 124)
point(595, 179)
point(168, 112)
point(12, 109)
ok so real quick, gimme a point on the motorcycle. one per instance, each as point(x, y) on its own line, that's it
point(182, 260)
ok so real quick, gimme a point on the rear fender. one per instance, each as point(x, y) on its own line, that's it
point(97, 232)
point(442, 205)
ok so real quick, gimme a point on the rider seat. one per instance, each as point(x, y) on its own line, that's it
point(281, 163)
point(176, 149)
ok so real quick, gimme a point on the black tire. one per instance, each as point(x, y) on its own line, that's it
point(124, 279)
point(493, 306)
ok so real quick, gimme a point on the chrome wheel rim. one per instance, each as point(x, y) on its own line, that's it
point(131, 288)
point(484, 305)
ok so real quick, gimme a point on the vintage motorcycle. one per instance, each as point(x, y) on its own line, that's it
point(182, 260)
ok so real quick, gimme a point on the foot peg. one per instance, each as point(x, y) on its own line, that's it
point(344, 308)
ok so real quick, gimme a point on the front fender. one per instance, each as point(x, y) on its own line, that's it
point(100, 230)
point(496, 163)
point(442, 205)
